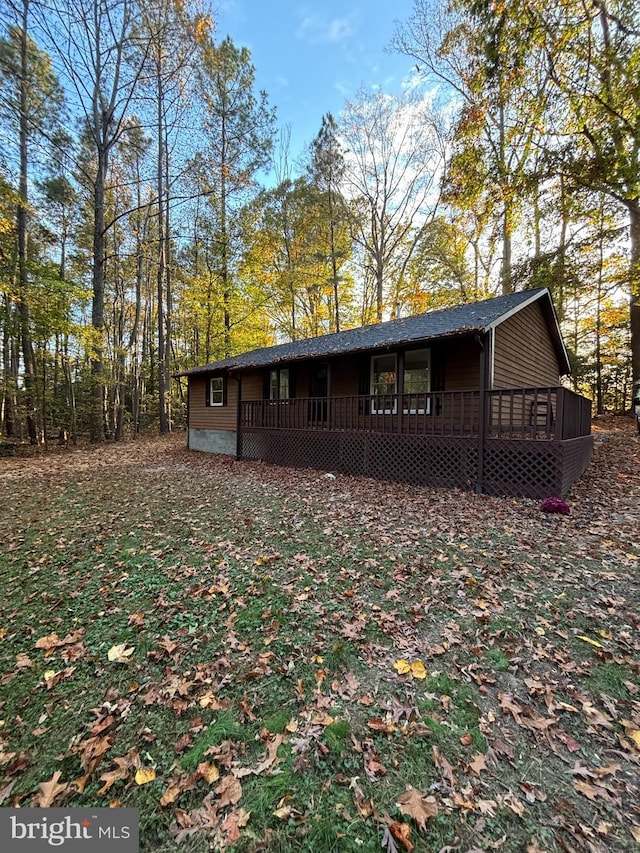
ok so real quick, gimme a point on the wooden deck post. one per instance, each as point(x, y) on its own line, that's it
point(399, 388)
point(559, 426)
point(239, 418)
point(482, 430)
point(188, 412)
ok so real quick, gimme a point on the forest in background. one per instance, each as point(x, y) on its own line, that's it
point(153, 219)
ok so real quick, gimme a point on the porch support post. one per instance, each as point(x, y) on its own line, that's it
point(399, 388)
point(188, 409)
point(482, 432)
point(239, 417)
point(559, 425)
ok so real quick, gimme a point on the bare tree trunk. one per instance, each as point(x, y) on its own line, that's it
point(70, 393)
point(599, 395)
point(162, 410)
point(167, 349)
point(224, 266)
point(162, 257)
point(505, 275)
point(633, 206)
point(9, 361)
point(97, 424)
point(44, 409)
point(28, 355)
point(334, 266)
point(209, 324)
point(507, 208)
point(562, 251)
point(537, 217)
point(169, 302)
point(379, 290)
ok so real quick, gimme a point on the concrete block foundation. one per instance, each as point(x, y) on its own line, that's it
point(213, 440)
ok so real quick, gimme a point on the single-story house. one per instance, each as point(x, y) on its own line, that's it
point(466, 397)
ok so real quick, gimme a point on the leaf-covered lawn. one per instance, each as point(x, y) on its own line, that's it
point(267, 659)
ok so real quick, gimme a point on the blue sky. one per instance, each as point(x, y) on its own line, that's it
point(312, 57)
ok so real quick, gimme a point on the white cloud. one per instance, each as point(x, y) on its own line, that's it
point(318, 29)
point(343, 89)
point(233, 10)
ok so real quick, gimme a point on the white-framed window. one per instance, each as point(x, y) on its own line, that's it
point(216, 391)
point(384, 375)
point(279, 387)
point(417, 381)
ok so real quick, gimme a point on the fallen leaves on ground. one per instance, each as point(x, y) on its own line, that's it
point(414, 668)
point(256, 654)
point(120, 653)
point(417, 805)
point(49, 791)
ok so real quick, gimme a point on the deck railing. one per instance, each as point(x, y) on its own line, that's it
point(576, 415)
point(440, 413)
point(539, 413)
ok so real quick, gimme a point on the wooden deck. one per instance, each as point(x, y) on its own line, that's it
point(532, 442)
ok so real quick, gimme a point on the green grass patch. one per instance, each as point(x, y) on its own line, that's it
point(497, 659)
point(224, 727)
point(336, 735)
point(609, 678)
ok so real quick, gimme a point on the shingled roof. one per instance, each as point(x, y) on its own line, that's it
point(473, 318)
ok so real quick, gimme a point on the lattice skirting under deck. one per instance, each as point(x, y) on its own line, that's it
point(576, 455)
point(534, 469)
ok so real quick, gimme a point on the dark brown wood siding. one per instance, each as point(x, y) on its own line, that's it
point(202, 416)
point(224, 417)
point(344, 375)
point(301, 379)
point(253, 385)
point(457, 362)
point(343, 380)
point(461, 365)
point(524, 356)
point(455, 365)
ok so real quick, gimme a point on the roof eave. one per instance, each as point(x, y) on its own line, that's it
point(288, 359)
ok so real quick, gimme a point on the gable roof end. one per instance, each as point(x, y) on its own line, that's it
point(553, 324)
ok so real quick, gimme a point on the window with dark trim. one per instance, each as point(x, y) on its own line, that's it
point(279, 384)
point(417, 381)
point(384, 375)
point(216, 391)
point(384, 385)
